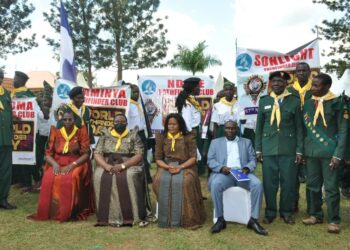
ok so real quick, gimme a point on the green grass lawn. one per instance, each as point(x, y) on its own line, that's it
point(16, 232)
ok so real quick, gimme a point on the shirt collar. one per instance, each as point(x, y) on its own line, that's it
point(235, 140)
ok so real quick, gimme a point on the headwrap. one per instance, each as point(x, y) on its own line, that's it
point(228, 83)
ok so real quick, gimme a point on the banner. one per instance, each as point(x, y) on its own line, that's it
point(24, 130)
point(253, 68)
point(159, 94)
point(103, 103)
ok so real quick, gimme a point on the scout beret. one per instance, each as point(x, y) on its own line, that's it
point(21, 75)
point(75, 91)
point(191, 83)
point(282, 74)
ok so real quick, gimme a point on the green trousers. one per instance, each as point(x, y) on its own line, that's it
point(279, 170)
point(319, 173)
point(5, 171)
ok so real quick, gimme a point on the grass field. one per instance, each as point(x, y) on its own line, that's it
point(16, 232)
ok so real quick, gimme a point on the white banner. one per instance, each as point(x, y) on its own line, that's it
point(253, 68)
point(159, 94)
point(24, 130)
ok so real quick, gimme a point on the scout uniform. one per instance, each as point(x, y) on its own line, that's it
point(279, 138)
point(6, 133)
point(136, 118)
point(304, 93)
point(222, 112)
point(192, 116)
point(325, 138)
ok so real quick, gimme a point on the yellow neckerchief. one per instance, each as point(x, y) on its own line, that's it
point(194, 102)
point(230, 104)
point(17, 90)
point(67, 138)
point(114, 133)
point(173, 138)
point(76, 111)
point(138, 106)
point(276, 112)
point(2, 91)
point(302, 90)
point(319, 109)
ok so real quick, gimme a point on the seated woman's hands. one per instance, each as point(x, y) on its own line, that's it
point(56, 168)
point(174, 170)
point(116, 169)
point(65, 170)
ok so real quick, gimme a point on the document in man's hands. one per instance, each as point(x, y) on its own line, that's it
point(239, 175)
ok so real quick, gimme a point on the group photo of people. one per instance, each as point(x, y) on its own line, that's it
point(174, 124)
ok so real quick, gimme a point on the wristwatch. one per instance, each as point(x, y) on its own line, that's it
point(123, 166)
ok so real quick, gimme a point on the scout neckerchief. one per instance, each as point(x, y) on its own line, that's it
point(276, 112)
point(1, 93)
point(320, 109)
point(230, 104)
point(67, 138)
point(302, 90)
point(76, 111)
point(194, 102)
point(17, 90)
point(173, 138)
point(120, 137)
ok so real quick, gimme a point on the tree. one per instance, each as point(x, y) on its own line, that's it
point(136, 39)
point(13, 20)
point(193, 60)
point(338, 32)
point(91, 51)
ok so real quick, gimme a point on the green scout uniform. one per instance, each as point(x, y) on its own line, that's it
point(307, 96)
point(6, 134)
point(279, 147)
point(346, 113)
point(23, 173)
point(321, 144)
point(79, 120)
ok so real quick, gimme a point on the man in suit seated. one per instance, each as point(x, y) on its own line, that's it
point(234, 152)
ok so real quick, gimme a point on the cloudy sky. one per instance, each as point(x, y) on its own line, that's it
point(279, 25)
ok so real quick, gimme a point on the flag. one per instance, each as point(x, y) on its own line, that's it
point(68, 70)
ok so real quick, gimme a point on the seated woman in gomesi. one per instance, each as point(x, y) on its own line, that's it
point(65, 189)
point(176, 183)
point(119, 179)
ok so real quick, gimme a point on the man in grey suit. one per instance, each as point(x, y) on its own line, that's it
point(224, 154)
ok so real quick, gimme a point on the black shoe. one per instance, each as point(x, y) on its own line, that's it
point(268, 220)
point(288, 220)
point(218, 226)
point(6, 205)
point(254, 225)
